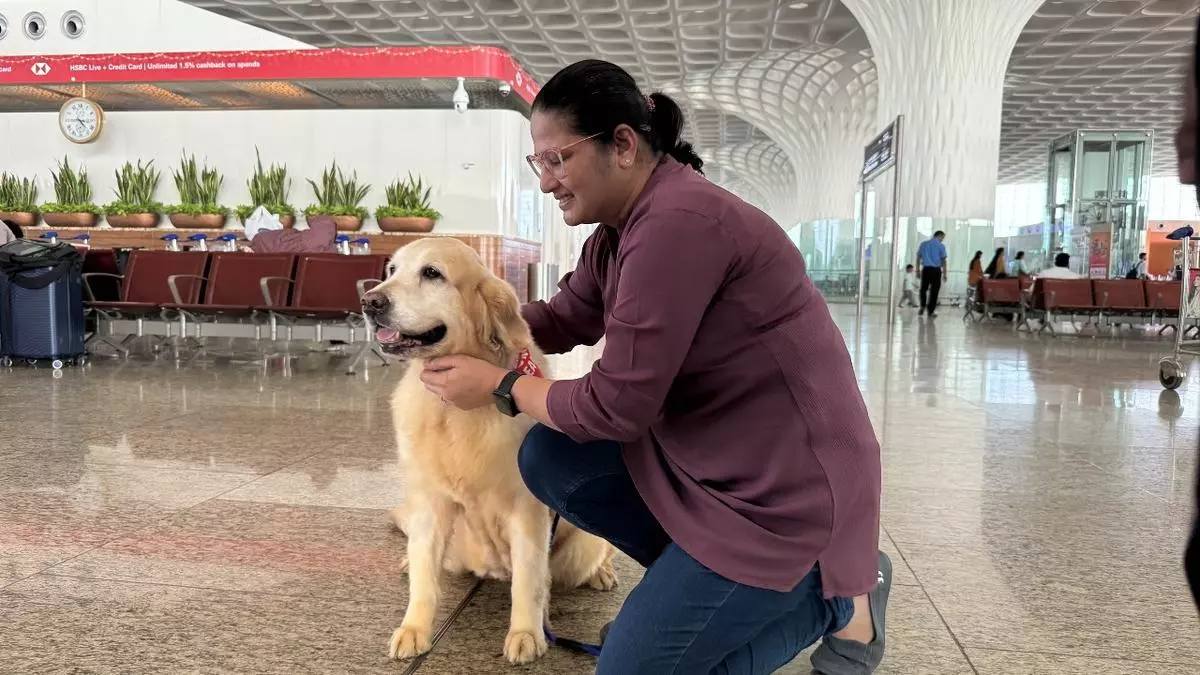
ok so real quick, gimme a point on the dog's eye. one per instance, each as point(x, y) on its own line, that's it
point(431, 273)
point(391, 269)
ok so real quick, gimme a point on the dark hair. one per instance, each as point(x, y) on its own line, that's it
point(1020, 254)
point(978, 255)
point(15, 228)
point(939, 233)
point(908, 267)
point(598, 96)
point(1062, 260)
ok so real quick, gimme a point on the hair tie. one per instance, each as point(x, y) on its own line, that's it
point(650, 103)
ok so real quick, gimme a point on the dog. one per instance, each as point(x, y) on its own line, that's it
point(466, 509)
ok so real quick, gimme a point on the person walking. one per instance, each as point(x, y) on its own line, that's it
point(910, 287)
point(931, 260)
point(721, 440)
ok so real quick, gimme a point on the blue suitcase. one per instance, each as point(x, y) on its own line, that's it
point(41, 303)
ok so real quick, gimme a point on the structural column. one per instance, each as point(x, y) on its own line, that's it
point(942, 65)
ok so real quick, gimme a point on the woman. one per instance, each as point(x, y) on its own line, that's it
point(1019, 268)
point(996, 268)
point(722, 424)
point(975, 270)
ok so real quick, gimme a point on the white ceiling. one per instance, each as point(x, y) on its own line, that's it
point(1096, 64)
point(1079, 63)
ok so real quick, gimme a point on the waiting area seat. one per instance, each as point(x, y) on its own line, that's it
point(994, 296)
point(186, 296)
point(1098, 302)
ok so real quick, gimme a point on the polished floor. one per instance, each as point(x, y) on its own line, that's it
point(230, 518)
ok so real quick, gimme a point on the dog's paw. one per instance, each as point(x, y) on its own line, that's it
point(408, 642)
point(396, 516)
point(605, 578)
point(524, 647)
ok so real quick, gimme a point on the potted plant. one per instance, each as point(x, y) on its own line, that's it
point(269, 188)
point(72, 205)
point(135, 205)
point(339, 197)
point(407, 208)
point(18, 200)
point(198, 188)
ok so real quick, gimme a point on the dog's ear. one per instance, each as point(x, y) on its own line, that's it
point(502, 325)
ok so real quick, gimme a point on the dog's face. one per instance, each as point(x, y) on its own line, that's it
point(438, 299)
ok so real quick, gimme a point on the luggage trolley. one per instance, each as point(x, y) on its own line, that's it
point(1171, 372)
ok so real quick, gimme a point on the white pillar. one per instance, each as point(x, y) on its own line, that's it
point(766, 166)
point(942, 65)
point(829, 176)
point(816, 104)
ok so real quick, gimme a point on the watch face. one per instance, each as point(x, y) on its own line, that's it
point(80, 120)
point(506, 404)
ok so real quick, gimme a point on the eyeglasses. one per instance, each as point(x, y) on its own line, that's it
point(551, 161)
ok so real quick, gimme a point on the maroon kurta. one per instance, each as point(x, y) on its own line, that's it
point(728, 384)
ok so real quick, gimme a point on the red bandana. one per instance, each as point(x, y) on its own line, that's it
point(525, 364)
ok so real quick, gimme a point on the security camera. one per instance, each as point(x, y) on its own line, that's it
point(461, 100)
point(505, 89)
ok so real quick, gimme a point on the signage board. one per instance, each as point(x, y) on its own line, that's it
point(880, 153)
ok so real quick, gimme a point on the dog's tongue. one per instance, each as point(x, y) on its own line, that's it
point(387, 335)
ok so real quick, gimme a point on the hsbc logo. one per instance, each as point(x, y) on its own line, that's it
point(40, 68)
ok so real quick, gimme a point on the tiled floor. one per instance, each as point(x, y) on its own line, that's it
point(220, 518)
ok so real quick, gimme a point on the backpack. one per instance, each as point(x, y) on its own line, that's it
point(22, 255)
point(1132, 273)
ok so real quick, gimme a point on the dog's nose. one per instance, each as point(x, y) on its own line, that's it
point(375, 303)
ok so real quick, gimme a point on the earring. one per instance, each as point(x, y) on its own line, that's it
point(625, 164)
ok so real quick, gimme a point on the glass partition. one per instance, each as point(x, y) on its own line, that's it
point(1097, 200)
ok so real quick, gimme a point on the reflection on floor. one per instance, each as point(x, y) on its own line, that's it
point(215, 518)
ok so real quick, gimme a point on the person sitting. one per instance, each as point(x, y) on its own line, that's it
point(318, 238)
point(1061, 269)
point(975, 270)
point(996, 269)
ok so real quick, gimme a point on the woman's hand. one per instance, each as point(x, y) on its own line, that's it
point(462, 381)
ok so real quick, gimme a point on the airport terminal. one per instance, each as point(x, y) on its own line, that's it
point(303, 301)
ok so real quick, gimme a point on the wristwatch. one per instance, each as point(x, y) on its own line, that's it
point(505, 402)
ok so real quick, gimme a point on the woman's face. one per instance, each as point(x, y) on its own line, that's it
point(581, 183)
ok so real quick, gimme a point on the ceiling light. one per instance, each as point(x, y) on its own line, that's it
point(798, 5)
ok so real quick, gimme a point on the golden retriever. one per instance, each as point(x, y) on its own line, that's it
point(466, 508)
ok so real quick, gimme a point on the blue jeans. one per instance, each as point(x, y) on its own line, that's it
point(682, 617)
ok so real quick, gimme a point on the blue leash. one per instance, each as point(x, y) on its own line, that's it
point(572, 645)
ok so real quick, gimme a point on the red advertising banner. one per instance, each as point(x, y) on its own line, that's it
point(381, 63)
point(1098, 254)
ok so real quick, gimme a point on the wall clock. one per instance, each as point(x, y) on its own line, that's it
point(81, 120)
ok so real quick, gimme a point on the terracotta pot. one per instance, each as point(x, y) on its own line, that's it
point(70, 219)
point(406, 224)
point(138, 220)
point(347, 223)
point(22, 219)
point(208, 221)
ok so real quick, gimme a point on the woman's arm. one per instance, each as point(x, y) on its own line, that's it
point(672, 265)
point(575, 315)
